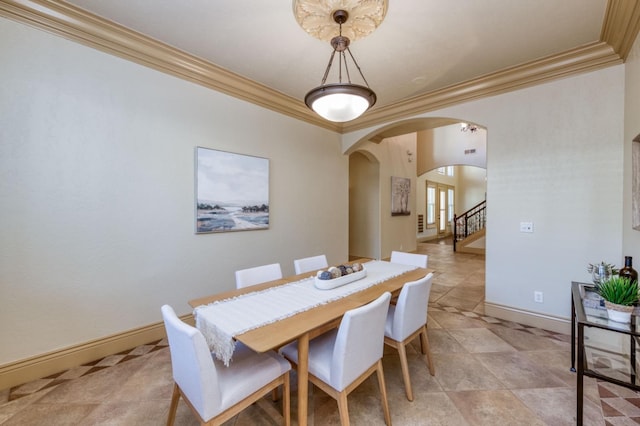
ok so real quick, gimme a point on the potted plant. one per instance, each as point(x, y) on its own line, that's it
point(619, 295)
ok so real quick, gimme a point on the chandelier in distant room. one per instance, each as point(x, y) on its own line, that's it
point(466, 127)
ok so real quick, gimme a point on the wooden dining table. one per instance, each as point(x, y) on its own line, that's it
point(306, 325)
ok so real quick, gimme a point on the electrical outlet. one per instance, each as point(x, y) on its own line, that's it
point(538, 297)
point(526, 226)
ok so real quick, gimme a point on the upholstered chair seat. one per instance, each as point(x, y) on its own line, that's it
point(216, 393)
point(340, 360)
point(407, 320)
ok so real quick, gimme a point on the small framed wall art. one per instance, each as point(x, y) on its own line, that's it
point(232, 191)
point(400, 191)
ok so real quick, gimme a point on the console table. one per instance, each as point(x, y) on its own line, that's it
point(587, 312)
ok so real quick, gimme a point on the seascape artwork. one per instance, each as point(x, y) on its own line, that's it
point(232, 191)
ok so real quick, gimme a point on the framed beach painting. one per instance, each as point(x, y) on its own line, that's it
point(400, 190)
point(232, 191)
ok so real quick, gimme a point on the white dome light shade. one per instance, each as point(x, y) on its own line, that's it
point(340, 102)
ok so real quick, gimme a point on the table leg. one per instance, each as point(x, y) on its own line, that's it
point(633, 357)
point(573, 335)
point(580, 381)
point(303, 378)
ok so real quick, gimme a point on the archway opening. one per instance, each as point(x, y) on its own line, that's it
point(435, 143)
point(364, 206)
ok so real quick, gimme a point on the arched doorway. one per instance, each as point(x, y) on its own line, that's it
point(370, 234)
point(364, 206)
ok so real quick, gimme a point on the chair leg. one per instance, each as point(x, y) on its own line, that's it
point(274, 394)
point(383, 393)
point(424, 343)
point(404, 364)
point(286, 400)
point(343, 408)
point(175, 398)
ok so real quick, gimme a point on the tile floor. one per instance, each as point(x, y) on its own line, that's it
point(488, 372)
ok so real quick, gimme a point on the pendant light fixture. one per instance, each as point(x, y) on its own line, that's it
point(344, 100)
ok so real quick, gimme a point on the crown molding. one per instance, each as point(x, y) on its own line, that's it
point(582, 59)
point(78, 25)
point(621, 25)
point(620, 28)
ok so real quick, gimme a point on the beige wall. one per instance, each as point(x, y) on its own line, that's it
point(96, 155)
point(554, 158)
point(446, 146)
point(364, 205)
point(631, 243)
point(97, 217)
point(473, 187)
point(396, 232)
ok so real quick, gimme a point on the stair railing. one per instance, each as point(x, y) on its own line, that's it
point(469, 222)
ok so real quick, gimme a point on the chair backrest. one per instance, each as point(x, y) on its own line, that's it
point(419, 260)
point(411, 308)
point(359, 342)
point(258, 275)
point(310, 264)
point(193, 367)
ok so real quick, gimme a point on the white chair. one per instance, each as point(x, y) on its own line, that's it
point(419, 260)
point(258, 275)
point(216, 393)
point(406, 320)
point(310, 264)
point(340, 360)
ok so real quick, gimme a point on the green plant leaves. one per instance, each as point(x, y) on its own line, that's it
point(619, 291)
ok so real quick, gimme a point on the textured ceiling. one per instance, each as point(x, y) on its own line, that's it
point(421, 46)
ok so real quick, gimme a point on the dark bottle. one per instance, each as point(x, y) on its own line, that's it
point(628, 271)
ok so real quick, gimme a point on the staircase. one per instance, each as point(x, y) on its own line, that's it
point(469, 230)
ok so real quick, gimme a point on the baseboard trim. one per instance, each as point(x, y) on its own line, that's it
point(530, 318)
point(23, 371)
point(39, 366)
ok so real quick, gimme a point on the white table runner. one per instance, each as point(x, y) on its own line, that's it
point(223, 319)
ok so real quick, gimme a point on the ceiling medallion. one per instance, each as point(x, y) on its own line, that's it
point(316, 17)
point(344, 100)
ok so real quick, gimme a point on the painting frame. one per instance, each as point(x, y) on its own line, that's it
point(231, 191)
point(400, 193)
